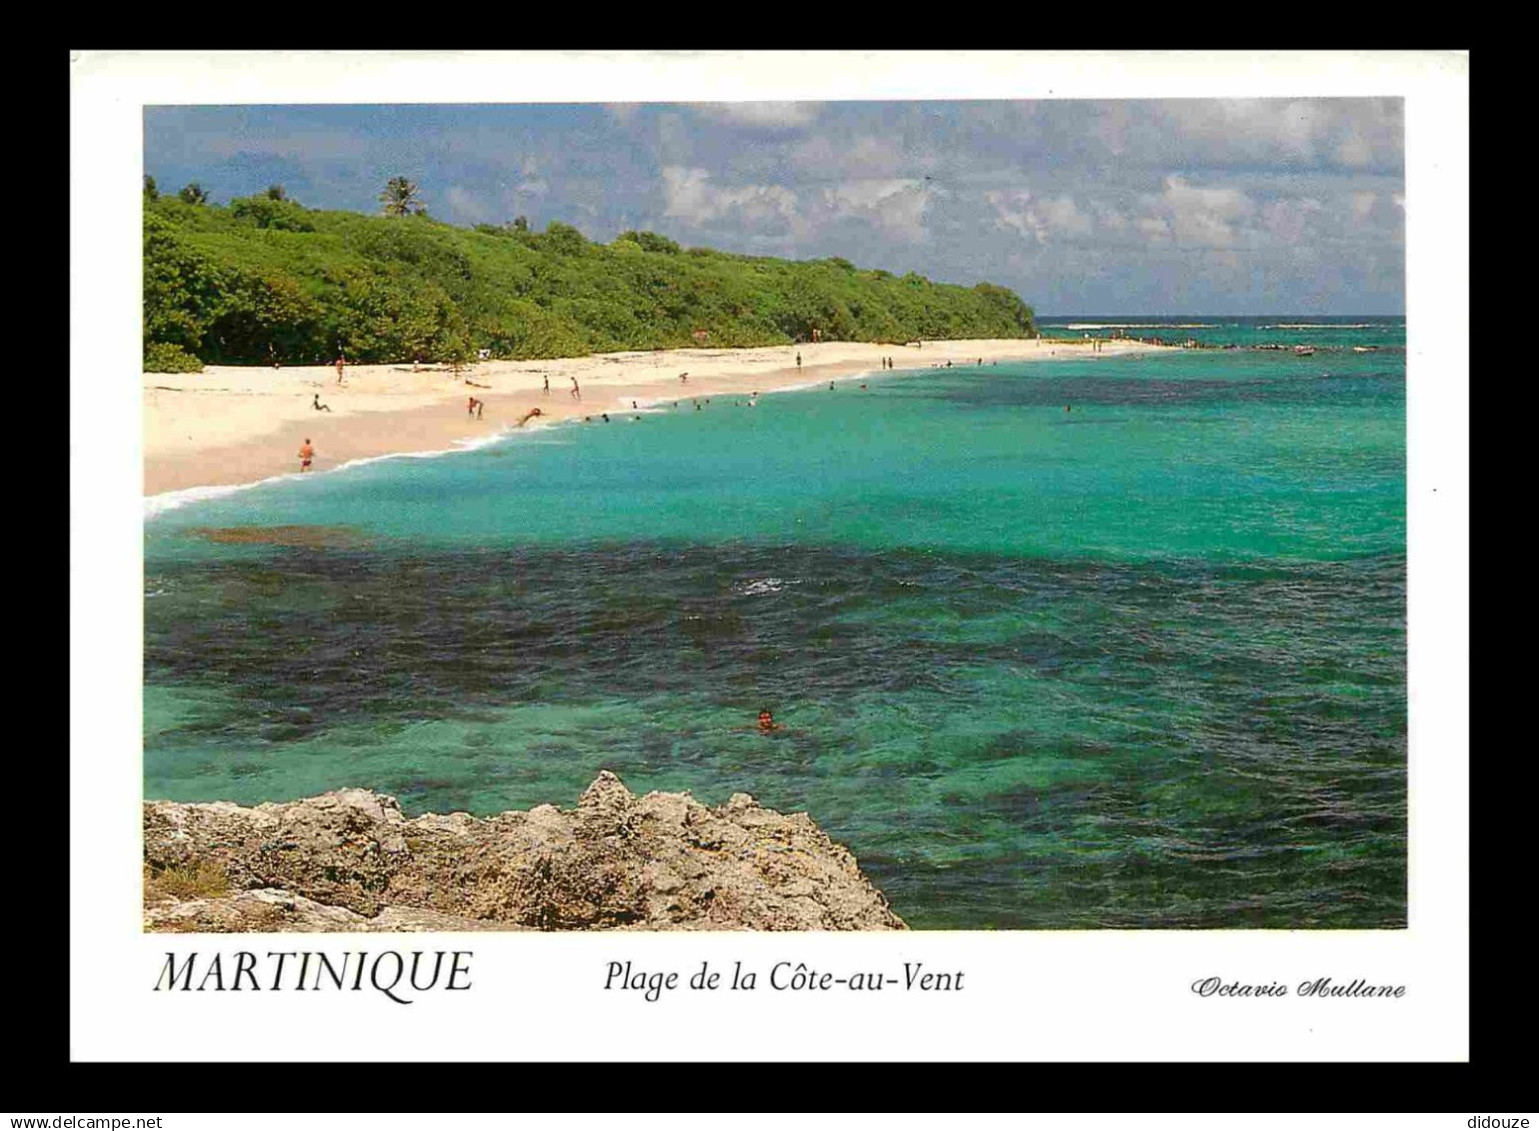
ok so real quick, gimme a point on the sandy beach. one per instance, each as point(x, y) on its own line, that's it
point(239, 424)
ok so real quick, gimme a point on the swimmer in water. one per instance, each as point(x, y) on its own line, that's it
point(767, 722)
point(531, 413)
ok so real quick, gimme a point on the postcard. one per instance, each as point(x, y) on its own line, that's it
point(899, 546)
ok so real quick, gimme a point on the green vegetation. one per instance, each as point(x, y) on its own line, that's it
point(165, 357)
point(264, 278)
point(194, 880)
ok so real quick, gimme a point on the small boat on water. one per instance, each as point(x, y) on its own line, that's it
point(1365, 349)
point(1304, 351)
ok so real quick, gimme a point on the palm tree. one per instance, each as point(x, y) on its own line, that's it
point(193, 194)
point(400, 198)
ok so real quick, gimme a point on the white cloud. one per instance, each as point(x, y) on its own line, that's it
point(864, 157)
point(1201, 217)
point(1355, 133)
point(1063, 215)
point(690, 195)
point(1287, 220)
point(897, 205)
point(1039, 218)
point(465, 205)
point(762, 115)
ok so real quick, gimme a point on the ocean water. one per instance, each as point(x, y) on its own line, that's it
point(1112, 642)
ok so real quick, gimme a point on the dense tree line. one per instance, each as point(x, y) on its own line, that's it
point(265, 279)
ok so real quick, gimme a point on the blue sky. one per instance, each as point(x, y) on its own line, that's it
point(1189, 206)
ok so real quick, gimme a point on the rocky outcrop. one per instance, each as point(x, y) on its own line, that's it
point(351, 861)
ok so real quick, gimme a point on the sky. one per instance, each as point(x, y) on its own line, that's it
point(1178, 206)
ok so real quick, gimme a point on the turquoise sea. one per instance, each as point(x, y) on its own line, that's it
point(1109, 642)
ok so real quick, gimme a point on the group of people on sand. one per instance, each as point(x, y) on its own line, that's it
point(576, 390)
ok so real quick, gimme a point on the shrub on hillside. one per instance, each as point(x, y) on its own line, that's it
point(164, 357)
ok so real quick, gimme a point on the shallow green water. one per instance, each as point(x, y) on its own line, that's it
point(1138, 663)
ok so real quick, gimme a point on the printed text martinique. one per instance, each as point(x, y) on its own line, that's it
point(398, 976)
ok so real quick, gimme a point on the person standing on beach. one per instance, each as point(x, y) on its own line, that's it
point(306, 455)
point(547, 384)
point(683, 378)
point(341, 362)
point(798, 359)
point(576, 392)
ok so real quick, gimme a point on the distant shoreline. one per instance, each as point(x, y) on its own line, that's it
point(233, 426)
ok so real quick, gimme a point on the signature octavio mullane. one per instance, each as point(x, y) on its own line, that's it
point(1319, 987)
